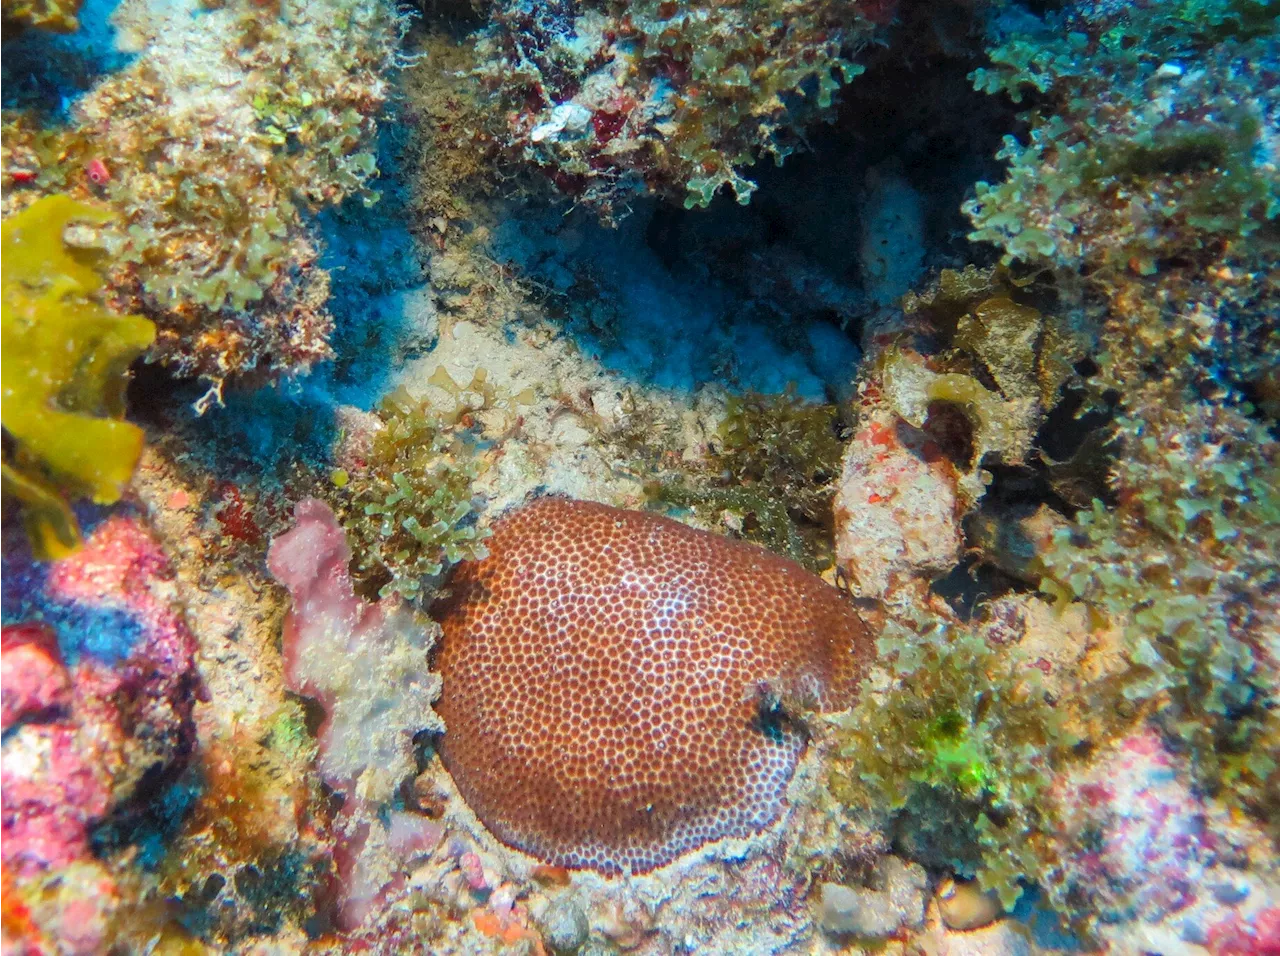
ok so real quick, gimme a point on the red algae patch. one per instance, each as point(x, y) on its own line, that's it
point(617, 684)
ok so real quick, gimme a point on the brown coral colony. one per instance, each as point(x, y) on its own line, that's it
point(617, 685)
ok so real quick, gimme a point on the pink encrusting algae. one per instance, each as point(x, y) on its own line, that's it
point(366, 664)
point(81, 735)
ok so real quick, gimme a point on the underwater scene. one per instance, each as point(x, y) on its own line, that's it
point(651, 478)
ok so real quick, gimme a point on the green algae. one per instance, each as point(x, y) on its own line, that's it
point(772, 470)
point(956, 730)
point(670, 97)
point(1183, 564)
point(213, 163)
point(1131, 157)
point(408, 512)
point(1144, 183)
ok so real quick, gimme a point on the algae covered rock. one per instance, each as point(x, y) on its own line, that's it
point(58, 16)
point(676, 98)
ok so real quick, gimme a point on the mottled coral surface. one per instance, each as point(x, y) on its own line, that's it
point(620, 688)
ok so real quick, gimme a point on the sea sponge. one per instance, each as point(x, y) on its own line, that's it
point(620, 688)
point(64, 370)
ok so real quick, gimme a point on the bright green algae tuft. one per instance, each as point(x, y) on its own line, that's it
point(960, 732)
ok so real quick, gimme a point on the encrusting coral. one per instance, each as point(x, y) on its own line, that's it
point(64, 370)
point(622, 689)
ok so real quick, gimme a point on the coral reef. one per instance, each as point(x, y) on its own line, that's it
point(1140, 296)
point(1184, 564)
point(673, 97)
point(895, 902)
point(1149, 843)
point(47, 813)
point(1236, 937)
point(730, 644)
point(64, 372)
point(1027, 427)
point(933, 421)
point(1149, 138)
point(891, 237)
point(895, 508)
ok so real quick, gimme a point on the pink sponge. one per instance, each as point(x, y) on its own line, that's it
point(367, 666)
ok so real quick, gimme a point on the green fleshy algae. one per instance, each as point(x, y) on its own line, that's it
point(773, 470)
point(961, 731)
point(1132, 156)
point(1184, 564)
point(408, 513)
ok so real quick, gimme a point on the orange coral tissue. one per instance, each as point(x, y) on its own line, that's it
point(616, 684)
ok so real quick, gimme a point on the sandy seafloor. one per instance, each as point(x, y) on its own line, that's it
point(169, 781)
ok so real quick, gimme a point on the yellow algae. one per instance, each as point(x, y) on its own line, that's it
point(63, 368)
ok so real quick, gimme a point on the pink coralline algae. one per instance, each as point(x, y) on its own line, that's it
point(50, 788)
point(97, 695)
point(36, 681)
point(1259, 936)
point(896, 507)
point(367, 666)
point(1142, 842)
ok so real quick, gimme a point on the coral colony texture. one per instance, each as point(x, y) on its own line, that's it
point(605, 478)
point(579, 603)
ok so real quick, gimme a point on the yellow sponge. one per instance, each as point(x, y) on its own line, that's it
point(64, 366)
